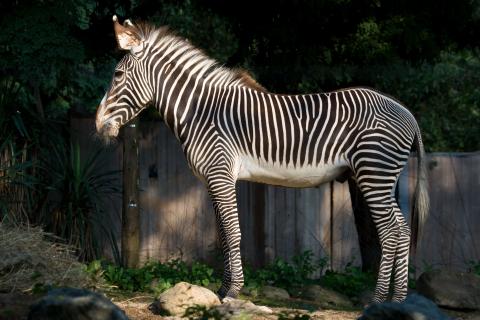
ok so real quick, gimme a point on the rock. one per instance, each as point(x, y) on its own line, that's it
point(274, 293)
point(236, 307)
point(249, 291)
point(72, 303)
point(176, 300)
point(326, 297)
point(459, 290)
point(365, 297)
point(415, 307)
point(473, 316)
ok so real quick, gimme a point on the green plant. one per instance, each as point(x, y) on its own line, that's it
point(475, 267)
point(350, 282)
point(77, 190)
point(156, 277)
point(285, 274)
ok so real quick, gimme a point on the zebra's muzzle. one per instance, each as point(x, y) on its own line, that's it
point(108, 129)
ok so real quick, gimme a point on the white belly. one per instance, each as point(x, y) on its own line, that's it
point(289, 176)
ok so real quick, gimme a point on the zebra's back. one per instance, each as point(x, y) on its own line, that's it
point(304, 140)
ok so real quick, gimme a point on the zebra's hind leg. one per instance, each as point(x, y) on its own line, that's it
point(401, 258)
point(392, 230)
point(223, 195)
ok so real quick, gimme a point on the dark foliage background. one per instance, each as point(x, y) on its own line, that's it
point(57, 59)
point(425, 53)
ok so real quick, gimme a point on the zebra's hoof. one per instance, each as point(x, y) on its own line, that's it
point(227, 299)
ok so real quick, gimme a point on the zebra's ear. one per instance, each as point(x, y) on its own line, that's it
point(127, 37)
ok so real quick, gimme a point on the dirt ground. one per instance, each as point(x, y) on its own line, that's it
point(137, 308)
point(15, 306)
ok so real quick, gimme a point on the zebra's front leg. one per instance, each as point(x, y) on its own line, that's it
point(223, 194)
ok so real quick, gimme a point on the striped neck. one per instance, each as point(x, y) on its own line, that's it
point(184, 78)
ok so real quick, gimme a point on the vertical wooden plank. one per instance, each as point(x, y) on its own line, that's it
point(270, 225)
point(451, 235)
point(245, 218)
point(313, 221)
point(440, 178)
point(148, 158)
point(468, 184)
point(250, 208)
point(345, 239)
point(286, 235)
point(131, 213)
point(258, 210)
point(178, 217)
point(279, 217)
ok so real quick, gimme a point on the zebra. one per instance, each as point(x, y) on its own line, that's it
point(231, 128)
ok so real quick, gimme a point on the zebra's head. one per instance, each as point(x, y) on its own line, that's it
point(130, 91)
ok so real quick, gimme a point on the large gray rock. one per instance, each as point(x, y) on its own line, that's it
point(183, 295)
point(325, 297)
point(451, 289)
point(415, 307)
point(274, 293)
point(73, 304)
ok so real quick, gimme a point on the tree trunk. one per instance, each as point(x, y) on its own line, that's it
point(367, 233)
point(131, 210)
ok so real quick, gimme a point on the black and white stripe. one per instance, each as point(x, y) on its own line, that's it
point(232, 129)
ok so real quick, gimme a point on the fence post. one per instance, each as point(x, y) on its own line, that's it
point(131, 211)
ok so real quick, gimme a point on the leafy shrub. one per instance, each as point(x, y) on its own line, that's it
point(283, 274)
point(156, 277)
point(78, 189)
point(351, 282)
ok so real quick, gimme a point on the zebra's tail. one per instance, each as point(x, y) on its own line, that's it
point(421, 198)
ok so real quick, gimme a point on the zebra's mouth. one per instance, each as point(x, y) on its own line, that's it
point(109, 130)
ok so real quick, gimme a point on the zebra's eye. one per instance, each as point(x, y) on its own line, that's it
point(118, 74)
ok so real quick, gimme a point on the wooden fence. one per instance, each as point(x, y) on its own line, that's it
point(177, 220)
